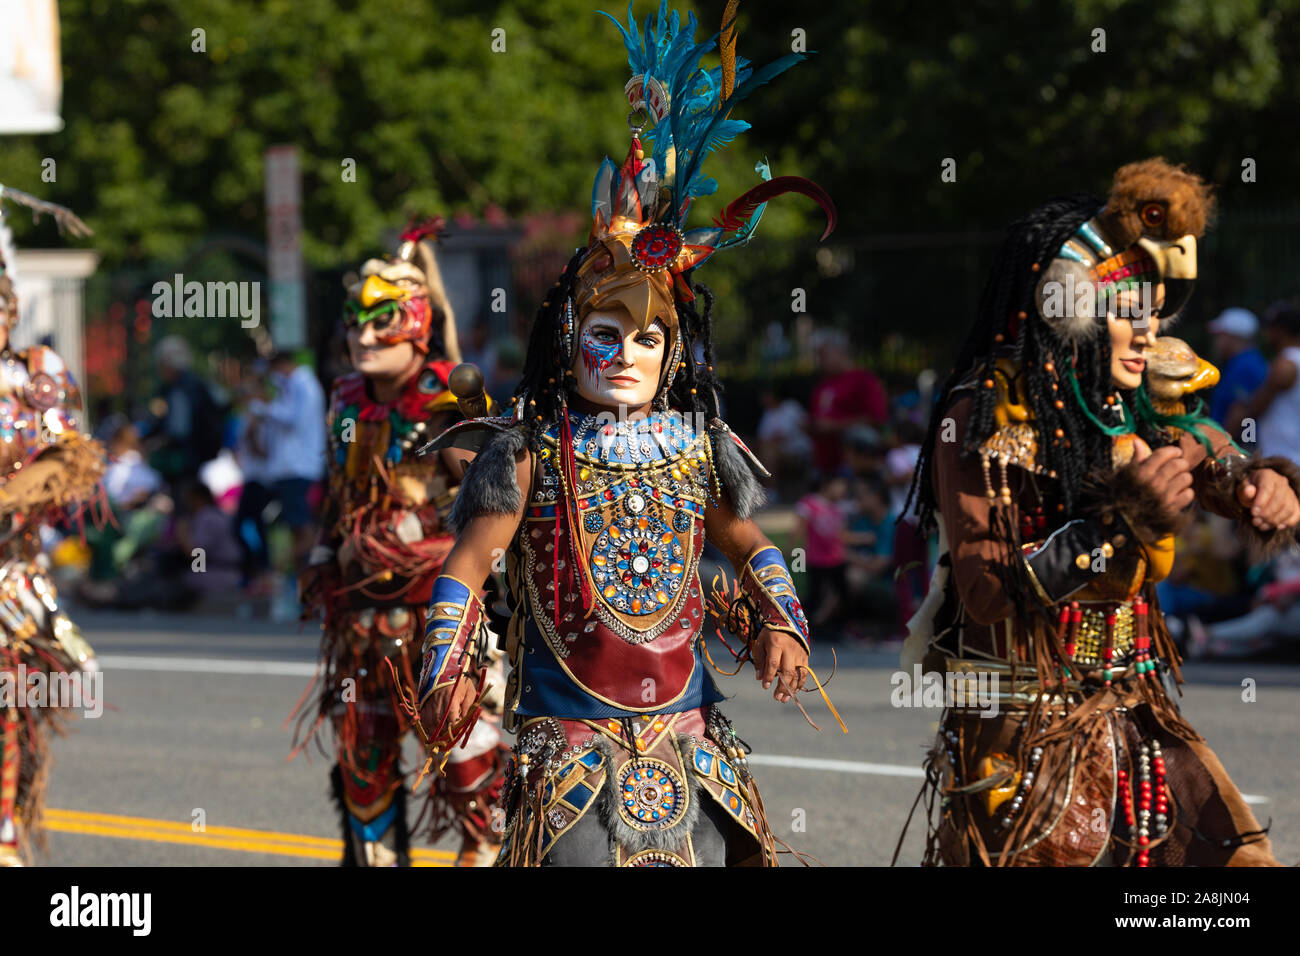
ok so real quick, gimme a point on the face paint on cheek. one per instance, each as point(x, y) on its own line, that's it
point(598, 356)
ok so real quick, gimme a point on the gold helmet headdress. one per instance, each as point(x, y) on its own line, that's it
point(639, 250)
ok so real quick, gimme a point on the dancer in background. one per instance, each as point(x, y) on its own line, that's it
point(1064, 450)
point(48, 467)
point(383, 541)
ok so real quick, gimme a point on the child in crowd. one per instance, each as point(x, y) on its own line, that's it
point(822, 525)
point(870, 541)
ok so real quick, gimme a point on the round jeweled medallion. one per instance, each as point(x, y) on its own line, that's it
point(656, 247)
point(638, 565)
point(653, 796)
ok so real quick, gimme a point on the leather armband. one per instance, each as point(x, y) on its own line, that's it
point(455, 621)
point(766, 581)
point(1075, 554)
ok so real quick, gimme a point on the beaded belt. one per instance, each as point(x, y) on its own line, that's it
point(1093, 637)
point(1090, 639)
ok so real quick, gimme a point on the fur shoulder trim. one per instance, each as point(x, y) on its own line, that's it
point(490, 485)
point(738, 470)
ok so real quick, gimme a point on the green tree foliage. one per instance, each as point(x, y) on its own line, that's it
point(164, 144)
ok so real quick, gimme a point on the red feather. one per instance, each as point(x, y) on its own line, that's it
point(428, 229)
point(737, 212)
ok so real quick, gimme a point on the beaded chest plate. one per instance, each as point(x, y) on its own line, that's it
point(640, 492)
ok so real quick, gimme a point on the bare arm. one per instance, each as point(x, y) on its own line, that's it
point(735, 537)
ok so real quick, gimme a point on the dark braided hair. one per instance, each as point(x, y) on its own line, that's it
point(546, 377)
point(1009, 293)
point(542, 381)
point(696, 388)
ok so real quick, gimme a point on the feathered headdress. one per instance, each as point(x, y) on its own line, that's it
point(408, 284)
point(639, 246)
point(1145, 234)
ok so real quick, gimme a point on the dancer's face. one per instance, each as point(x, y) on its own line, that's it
point(375, 359)
point(1131, 335)
point(617, 364)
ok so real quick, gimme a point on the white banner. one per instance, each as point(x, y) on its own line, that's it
point(31, 79)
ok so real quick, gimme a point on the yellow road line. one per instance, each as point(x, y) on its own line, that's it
point(216, 837)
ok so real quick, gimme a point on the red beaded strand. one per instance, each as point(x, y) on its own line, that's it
point(1072, 639)
point(1142, 639)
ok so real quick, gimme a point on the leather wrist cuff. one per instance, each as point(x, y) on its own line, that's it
point(766, 581)
point(1075, 554)
point(456, 617)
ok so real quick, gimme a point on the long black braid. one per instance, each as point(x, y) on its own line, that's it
point(696, 388)
point(543, 380)
point(1009, 294)
point(546, 377)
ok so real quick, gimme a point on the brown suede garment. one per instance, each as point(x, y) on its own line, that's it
point(1207, 802)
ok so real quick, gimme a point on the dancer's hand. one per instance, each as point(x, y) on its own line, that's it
point(779, 657)
point(1166, 473)
point(1271, 500)
point(455, 701)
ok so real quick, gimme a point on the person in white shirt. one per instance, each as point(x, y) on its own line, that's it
point(294, 432)
point(1275, 407)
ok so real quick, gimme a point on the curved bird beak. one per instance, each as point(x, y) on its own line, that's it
point(376, 290)
point(1176, 260)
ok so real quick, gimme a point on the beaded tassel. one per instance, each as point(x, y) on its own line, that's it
point(1108, 652)
point(1005, 492)
point(1145, 824)
point(1072, 639)
point(1126, 794)
point(1142, 638)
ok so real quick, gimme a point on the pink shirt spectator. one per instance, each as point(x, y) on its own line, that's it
point(825, 523)
point(843, 398)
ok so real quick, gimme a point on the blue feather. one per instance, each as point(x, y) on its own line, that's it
point(698, 119)
point(759, 77)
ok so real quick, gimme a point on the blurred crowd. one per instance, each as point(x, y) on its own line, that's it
point(843, 463)
point(199, 483)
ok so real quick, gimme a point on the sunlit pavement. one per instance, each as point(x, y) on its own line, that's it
point(187, 765)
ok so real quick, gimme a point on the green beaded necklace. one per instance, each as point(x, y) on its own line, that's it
point(1127, 426)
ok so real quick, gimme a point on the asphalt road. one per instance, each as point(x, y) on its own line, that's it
point(192, 733)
